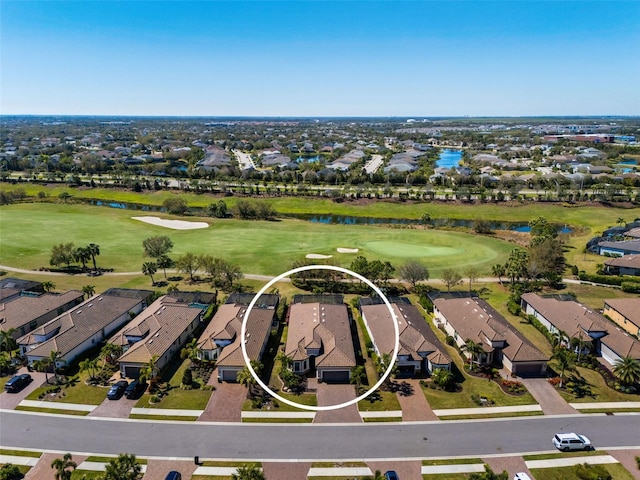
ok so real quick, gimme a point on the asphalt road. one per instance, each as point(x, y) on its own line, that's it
point(310, 441)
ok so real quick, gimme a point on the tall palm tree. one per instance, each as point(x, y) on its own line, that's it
point(148, 370)
point(42, 366)
point(164, 262)
point(564, 361)
point(442, 377)
point(125, 467)
point(90, 366)
point(94, 251)
point(109, 353)
point(82, 255)
point(627, 370)
point(358, 375)
point(48, 286)
point(7, 342)
point(149, 269)
point(63, 466)
point(89, 290)
point(245, 378)
point(54, 356)
point(191, 351)
point(473, 349)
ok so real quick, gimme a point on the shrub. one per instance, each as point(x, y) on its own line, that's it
point(154, 399)
point(187, 377)
point(591, 472)
point(450, 341)
point(631, 287)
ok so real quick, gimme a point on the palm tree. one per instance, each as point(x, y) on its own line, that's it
point(48, 286)
point(109, 352)
point(7, 342)
point(358, 375)
point(620, 221)
point(248, 472)
point(558, 337)
point(627, 370)
point(442, 377)
point(94, 251)
point(472, 349)
point(42, 365)
point(147, 371)
point(564, 362)
point(191, 351)
point(150, 268)
point(62, 466)
point(164, 262)
point(89, 290)
point(579, 343)
point(125, 467)
point(90, 366)
point(81, 254)
point(54, 356)
point(245, 378)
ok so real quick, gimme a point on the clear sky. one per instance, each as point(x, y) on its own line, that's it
point(320, 58)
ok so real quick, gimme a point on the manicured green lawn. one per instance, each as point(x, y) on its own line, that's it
point(452, 461)
point(196, 399)
point(76, 391)
point(617, 471)
point(379, 401)
point(20, 453)
point(274, 249)
point(56, 411)
point(548, 456)
point(596, 384)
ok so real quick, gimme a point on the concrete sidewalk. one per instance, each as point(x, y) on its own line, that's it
point(605, 405)
point(18, 460)
point(100, 466)
point(340, 472)
point(458, 468)
point(570, 461)
point(166, 412)
point(78, 407)
point(276, 414)
point(487, 410)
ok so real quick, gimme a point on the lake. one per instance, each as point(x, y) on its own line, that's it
point(449, 158)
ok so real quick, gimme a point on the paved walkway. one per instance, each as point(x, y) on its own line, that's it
point(570, 461)
point(288, 470)
point(225, 403)
point(547, 396)
point(335, 395)
point(486, 410)
point(58, 405)
point(18, 460)
point(340, 472)
point(605, 405)
point(414, 404)
point(278, 414)
point(456, 468)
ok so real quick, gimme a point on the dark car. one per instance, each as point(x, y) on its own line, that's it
point(391, 475)
point(134, 389)
point(17, 383)
point(173, 475)
point(117, 389)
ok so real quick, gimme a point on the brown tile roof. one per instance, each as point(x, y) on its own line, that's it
point(415, 335)
point(628, 307)
point(22, 310)
point(629, 261)
point(569, 315)
point(314, 324)
point(226, 324)
point(79, 324)
point(475, 319)
point(161, 323)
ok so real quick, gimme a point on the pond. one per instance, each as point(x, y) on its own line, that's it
point(449, 158)
point(314, 159)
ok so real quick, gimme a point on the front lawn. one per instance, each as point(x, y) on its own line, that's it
point(379, 401)
point(593, 387)
point(75, 390)
point(175, 397)
point(617, 471)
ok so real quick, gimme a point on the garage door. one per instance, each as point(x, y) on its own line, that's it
point(340, 376)
point(528, 369)
point(132, 372)
point(229, 375)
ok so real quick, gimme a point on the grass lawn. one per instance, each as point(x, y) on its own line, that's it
point(20, 453)
point(379, 401)
point(548, 456)
point(172, 418)
point(195, 399)
point(303, 399)
point(77, 413)
point(447, 476)
point(277, 246)
point(617, 471)
point(490, 415)
point(76, 391)
point(88, 474)
point(601, 392)
point(452, 461)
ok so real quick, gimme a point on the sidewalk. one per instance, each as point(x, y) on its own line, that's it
point(166, 412)
point(570, 461)
point(486, 410)
point(77, 407)
point(605, 405)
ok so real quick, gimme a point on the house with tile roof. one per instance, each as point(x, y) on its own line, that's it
point(573, 318)
point(625, 265)
point(619, 249)
point(319, 339)
point(84, 326)
point(419, 351)
point(222, 340)
point(159, 332)
point(27, 312)
point(474, 319)
point(625, 312)
point(14, 287)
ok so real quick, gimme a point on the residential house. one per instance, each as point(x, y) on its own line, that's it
point(319, 338)
point(474, 319)
point(14, 287)
point(159, 332)
point(625, 265)
point(84, 326)
point(222, 341)
point(575, 320)
point(618, 249)
point(624, 312)
point(29, 311)
point(419, 350)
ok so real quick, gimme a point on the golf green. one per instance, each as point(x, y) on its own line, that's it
point(259, 247)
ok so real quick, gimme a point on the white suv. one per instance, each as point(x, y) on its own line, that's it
point(571, 441)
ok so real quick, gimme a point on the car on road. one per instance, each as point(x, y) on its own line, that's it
point(134, 389)
point(17, 383)
point(117, 389)
point(571, 441)
point(391, 475)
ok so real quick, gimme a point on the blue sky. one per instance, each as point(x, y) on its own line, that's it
point(320, 58)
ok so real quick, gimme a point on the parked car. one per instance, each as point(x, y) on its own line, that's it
point(391, 475)
point(521, 476)
point(17, 383)
point(173, 475)
point(134, 389)
point(571, 441)
point(117, 389)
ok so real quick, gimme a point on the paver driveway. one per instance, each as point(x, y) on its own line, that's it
point(330, 394)
point(10, 401)
point(225, 403)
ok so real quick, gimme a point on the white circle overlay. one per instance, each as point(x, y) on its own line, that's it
point(394, 319)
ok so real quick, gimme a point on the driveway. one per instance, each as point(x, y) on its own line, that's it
point(512, 465)
point(288, 470)
point(225, 403)
point(548, 397)
point(158, 469)
point(407, 470)
point(331, 394)
point(10, 401)
point(414, 405)
point(114, 408)
point(628, 460)
point(43, 467)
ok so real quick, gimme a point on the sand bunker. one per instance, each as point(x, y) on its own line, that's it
point(174, 224)
point(347, 250)
point(318, 256)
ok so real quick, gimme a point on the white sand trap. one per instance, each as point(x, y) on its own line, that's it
point(318, 256)
point(347, 250)
point(174, 224)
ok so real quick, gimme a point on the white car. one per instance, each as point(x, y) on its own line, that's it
point(521, 476)
point(571, 441)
